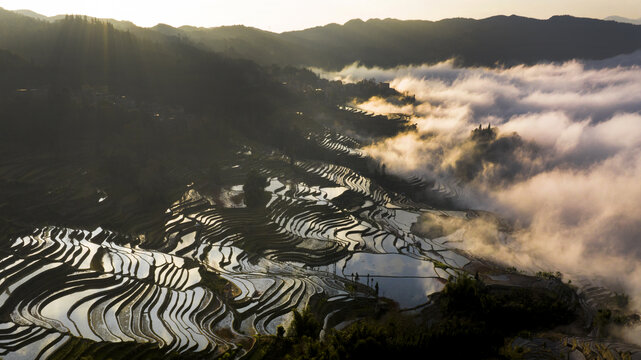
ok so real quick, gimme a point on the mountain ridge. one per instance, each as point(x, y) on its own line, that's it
point(35, 15)
point(622, 19)
point(503, 40)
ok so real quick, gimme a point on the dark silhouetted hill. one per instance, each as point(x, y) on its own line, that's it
point(506, 40)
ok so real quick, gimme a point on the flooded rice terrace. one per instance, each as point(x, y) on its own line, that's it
point(224, 271)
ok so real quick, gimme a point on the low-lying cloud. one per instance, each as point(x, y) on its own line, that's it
point(562, 159)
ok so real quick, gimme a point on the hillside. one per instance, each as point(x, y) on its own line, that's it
point(506, 40)
point(145, 110)
point(501, 39)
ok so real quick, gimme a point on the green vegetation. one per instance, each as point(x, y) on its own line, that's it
point(304, 324)
point(440, 265)
point(468, 320)
point(622, 300)
point(216, 283)
point(550, 275)
point(254, 188)
point(349, 200)
point(606, 319)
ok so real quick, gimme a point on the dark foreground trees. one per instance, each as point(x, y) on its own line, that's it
point(254, 188)
point(468, 320)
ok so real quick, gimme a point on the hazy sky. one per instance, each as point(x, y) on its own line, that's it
point(283, 15)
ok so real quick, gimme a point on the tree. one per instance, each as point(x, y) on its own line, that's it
point(304, 324)
point(255, 194)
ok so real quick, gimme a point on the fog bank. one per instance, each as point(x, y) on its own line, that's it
point(561, 159)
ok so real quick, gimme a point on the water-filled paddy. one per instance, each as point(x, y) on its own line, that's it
point(402, 278)
point(222, 271)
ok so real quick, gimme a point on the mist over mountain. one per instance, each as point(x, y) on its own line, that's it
point(35, 15)
point(624, 20)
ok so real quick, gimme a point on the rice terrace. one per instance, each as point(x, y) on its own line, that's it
point(464, 188)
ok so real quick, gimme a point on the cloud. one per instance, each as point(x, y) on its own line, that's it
point(579, 89)
point(562, 161)
point(379, 106)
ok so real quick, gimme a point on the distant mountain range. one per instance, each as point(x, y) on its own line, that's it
point(503, 40)
point(624, 20)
